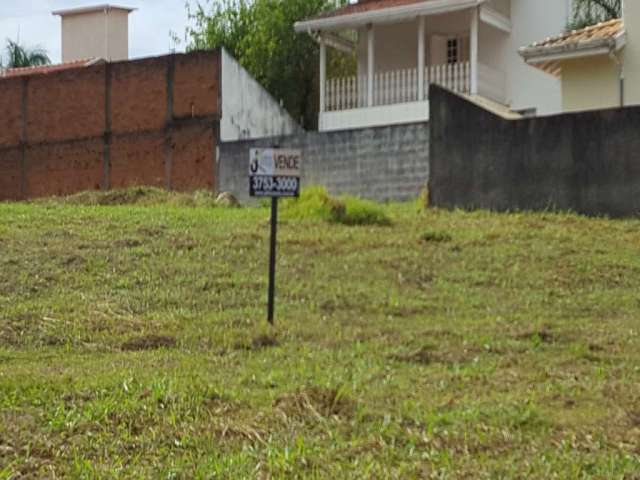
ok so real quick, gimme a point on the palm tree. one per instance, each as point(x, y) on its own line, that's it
point(20, 56)
point(590, 12)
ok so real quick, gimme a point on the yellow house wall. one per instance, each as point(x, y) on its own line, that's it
point(590, 83)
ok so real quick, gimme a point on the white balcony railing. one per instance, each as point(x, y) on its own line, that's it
point(398, 86)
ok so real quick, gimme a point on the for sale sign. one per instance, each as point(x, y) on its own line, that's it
point(274, 172)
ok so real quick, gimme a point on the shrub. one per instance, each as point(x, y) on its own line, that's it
point(363, 212)
point(316, 203)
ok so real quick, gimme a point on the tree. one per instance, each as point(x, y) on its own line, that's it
point(20, 56)
point(260, 35)
point(591, 12)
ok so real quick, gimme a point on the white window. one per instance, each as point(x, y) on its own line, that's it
point(452, 51)
point(449, 49)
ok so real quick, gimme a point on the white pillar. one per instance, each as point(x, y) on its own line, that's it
point(370, 63)
point(323, 74)
point(474, 51)
point(421, 28)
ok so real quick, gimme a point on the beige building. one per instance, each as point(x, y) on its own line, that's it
point(599, 66)
point(100, 31)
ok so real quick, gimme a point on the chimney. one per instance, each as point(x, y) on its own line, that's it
point(100, 31)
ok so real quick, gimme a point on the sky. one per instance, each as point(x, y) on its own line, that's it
point(149, 26)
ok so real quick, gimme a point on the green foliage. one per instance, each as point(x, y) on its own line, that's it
point(20, 56)
point(316, 203)
point(591, 12)
point(260, 35)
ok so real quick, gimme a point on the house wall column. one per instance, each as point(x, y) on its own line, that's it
point(474, 51)
point(323, 74)
point(421, 35)
point(370, 63)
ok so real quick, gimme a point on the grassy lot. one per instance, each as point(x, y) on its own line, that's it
point(445, 345)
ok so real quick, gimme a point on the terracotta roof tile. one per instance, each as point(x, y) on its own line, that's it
point(601, 31)
point(44, 69)
point(367, 6)
point(544, 54)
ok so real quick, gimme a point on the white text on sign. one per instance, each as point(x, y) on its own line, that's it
point(274, 172)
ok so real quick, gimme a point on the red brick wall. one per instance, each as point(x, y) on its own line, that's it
point(139, 95)
point(197, 85)
point(64, 168)
point(146, 122)
point(138, 160)
point(192, 159)
point(10, 174)
point(11, 112)
point(66, 106)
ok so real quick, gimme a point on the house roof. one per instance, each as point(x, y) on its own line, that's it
point(600, 39)
point(45, 69)
point(93, 8)
point(379, 11)
point(367, 6)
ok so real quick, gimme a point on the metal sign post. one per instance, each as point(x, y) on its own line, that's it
point(272, 259)
point(274, 173)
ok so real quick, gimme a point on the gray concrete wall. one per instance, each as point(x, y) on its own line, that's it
point(248, 110)
point(384, 163)
point(587, 162)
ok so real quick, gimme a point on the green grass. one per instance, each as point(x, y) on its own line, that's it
point(443, 345)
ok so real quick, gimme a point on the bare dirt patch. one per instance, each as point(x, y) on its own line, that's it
point(149, 342)
point(435, 237)
point(316, 402)
point(128, 243)
point(428, 355)
point(259, 343)
point(543, 334)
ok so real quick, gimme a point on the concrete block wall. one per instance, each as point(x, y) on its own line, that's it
point(587, 162)
point(111, 125)
point(383, 163)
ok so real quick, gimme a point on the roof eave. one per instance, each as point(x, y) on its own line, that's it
point(536, 55)
point(95, 8)
point(385, 15)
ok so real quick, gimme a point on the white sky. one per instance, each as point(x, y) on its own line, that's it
point(149, 26)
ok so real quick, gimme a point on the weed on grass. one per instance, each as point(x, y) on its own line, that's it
point(435, 237)
point(316, 203)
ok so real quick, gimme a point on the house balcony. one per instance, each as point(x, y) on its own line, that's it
point(400, 49)
point(396, 96)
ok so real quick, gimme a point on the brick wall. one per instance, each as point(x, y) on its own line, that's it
point(146, 122)
point(383, 163)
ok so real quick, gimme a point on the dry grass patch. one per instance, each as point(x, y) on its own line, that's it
point(149, 342)
point(316, 403)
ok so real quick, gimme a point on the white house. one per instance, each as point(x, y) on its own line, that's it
point(599, 66)
point(402, 46)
